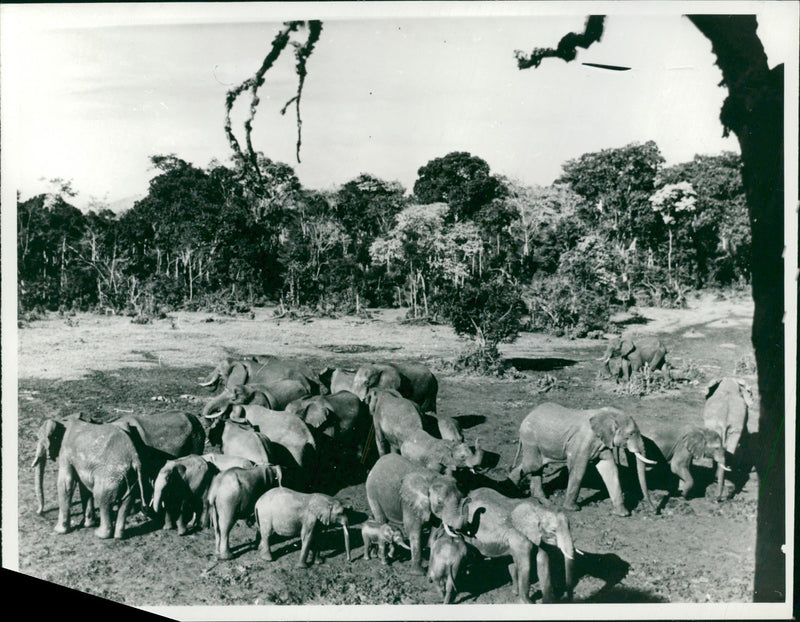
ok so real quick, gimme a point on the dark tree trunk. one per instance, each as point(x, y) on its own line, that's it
point(753, 110)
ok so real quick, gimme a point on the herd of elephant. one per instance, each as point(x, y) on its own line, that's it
point(276, 419)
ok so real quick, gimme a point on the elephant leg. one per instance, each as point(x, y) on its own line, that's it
point(104, 499)
point(720, 482)
point(183, 509)
point(265, 531)
point(448, 595)
point(576, 465)
point(625, 365)
point(543, 570)
point(537, 490)
point(225, 519)
point(306, 535)
point(414, 531)
point(122, 514)
point(382, 552)
point(87, 502)
point(608, 471)
point(66, 486)
point(520, 571)
point(686, 481)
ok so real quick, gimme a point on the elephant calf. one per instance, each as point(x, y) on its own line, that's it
point(447, 555)
point(233, 495)
point(288, 513)
point(381, 536)
point(181, 487)
point(439, 454)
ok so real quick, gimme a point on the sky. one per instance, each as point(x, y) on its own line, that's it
point(92, 91)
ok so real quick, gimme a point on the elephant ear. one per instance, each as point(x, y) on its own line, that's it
point(626, 347)
point(240, 394)
point(526, 522)
point(414, 495)
point(319, 509)
point(712, 387)
point(238, 375)
point(746, 393)
point(604, 425)
point(696, 443)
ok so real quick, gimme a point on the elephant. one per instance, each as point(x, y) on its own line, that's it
point(241, 440)
point(226, 461)
point(635, 354)
point(340, 415)
point(102, 459)
point(728, 401)
point(289, 513)
point(413, 381)
point(232, 496)
point(439, 454)
point(262, 369)
point(394, 419)
point(404, 493)
point(165, 435)
point(275, 396)
point(680, 445)
point(336, 379)
point(182, 487)
point(383, 537)
point(291, 443)
point(500, 526)
point(447, 555)
point(554, 433)
point(449, 429)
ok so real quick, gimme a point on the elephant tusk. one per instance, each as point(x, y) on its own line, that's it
point(208, 383)
point(567, 556)
point(448, 530)
point(405, 546)
point(724, 468)
point(578, 551)
point(214, 416)
point(643, 459)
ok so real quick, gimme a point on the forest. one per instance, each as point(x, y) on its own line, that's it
point(487, 254)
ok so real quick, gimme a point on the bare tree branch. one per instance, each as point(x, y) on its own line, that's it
point(593, 31)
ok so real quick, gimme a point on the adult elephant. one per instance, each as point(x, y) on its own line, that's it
point(404, 493)
point(634, 354)
point(276, 396)
point(499, 526)
point(394, 419)
point(413, 381)
point(340, 415)
point(552, 433)
point(101, 459)
point(264, 370)
point(291, 443)
point(728, 401)
point(166, 435)
point(679, 446)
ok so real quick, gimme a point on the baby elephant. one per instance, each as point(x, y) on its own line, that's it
point(447, 554)
point(380, 535)
point(288, 513)
point(181, 488)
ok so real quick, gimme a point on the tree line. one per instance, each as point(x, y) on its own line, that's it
point(466, 246)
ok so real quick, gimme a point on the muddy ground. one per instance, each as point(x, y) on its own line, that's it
point(695, 551)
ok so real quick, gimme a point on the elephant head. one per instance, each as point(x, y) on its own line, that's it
point(316, 413)
point(616, 430)
point(705, 443)
point(228, 371)
point(438, 495)
point(171, 476)
point(238, 395)
point(618, 347)
point(540, 524)
point(466, 457)
point(366, 378)
point(328, 511)
point(48, 444)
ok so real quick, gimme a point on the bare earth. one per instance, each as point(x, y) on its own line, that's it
point(695, 551)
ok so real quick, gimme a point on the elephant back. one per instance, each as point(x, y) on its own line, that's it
point(173, 434)
point(99, 444)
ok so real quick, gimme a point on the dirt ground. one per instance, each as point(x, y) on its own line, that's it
point(695, 551)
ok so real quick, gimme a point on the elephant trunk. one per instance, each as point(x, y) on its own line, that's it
point(564, 541)
point(38, 464)
point(216, 404)
point(346, 533)
point(158, 491)
point(211, 380)
point(643, 480)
